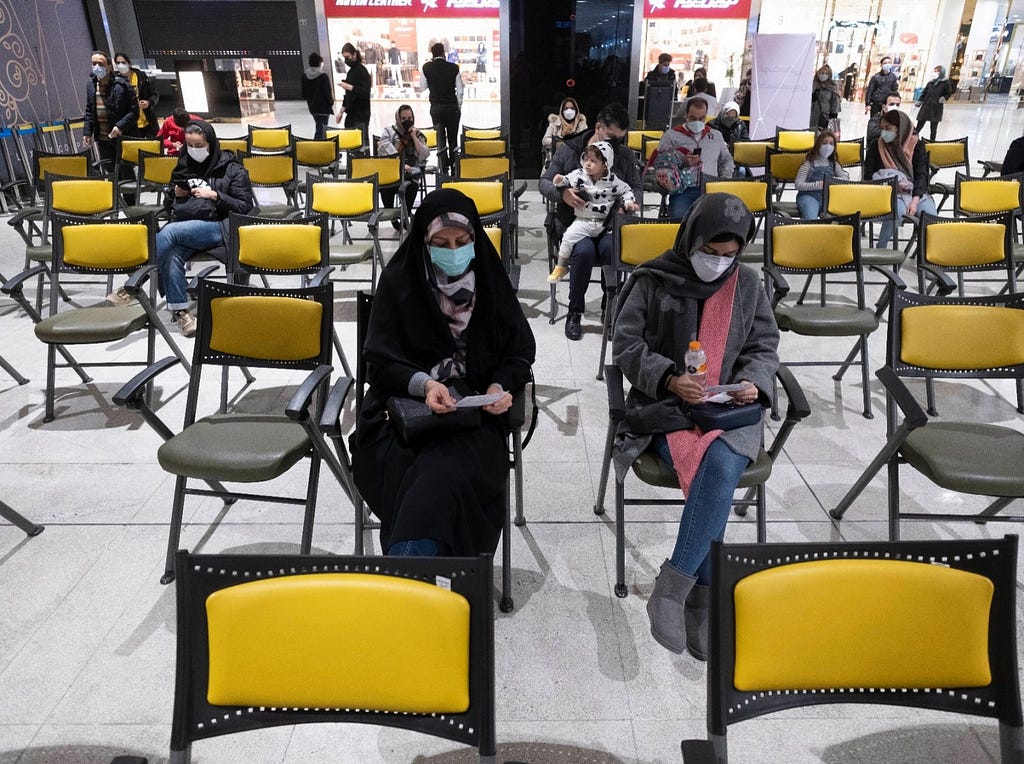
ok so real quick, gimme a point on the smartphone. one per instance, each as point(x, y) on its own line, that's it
point(696, 152)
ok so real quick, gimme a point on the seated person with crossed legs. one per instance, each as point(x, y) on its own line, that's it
point(696, 290)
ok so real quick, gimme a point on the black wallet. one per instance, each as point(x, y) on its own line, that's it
point(414, 422)
point(724, 416)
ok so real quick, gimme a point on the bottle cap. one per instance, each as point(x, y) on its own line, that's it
point(695, 345)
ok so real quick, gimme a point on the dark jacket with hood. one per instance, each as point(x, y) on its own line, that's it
point(567, 159)
point(221, 172)
point(357, 100)
point(146, 92)
point(659, 311)
point(122, 106)
point(316, 90)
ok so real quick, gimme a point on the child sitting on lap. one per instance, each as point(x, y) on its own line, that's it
point(600, 188)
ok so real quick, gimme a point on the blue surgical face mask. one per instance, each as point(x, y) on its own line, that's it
point(826, 150)
point(452, 262)
point(888, 136)
point(665, 69)
point(886, 68)
point(695, 126)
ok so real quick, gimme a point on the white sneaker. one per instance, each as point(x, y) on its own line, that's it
point(122, 298)
point(186, 323)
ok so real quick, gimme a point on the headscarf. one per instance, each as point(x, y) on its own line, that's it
point(899, 154)
point(567, 127)
point(455, 294)
point(187, 166)
point(942, 73)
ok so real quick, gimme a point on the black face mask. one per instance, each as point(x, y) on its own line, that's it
point(406, 124)
point(614, 142)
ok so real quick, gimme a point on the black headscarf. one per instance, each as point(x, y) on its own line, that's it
point(711, 216)
point(407, 326)
point(190, 168)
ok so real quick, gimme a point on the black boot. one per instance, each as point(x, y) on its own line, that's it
point(573, 330)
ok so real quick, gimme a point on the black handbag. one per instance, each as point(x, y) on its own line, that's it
point(724, 416)
point(414, 422)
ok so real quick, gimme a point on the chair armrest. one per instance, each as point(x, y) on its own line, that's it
point(943, 283)
point(798, 407)
point(14, 284)
point(130, 392)
point(894, 278)
point(193, 283)
point(330, 420)
point(298, 407)
point(780, 287)
point(516, 415)
point(138, 278)
point(321, 276)
point(698, 752)
point(519, 190)
point(616, 395)
point(913, 414)
point(374, 221)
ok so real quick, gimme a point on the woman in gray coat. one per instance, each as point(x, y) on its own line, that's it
point(698, 290)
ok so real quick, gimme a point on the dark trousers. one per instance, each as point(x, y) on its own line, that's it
point(387, 195)
point(587, 254)
point(320, 121)
point(446, 117)
point(932, 130)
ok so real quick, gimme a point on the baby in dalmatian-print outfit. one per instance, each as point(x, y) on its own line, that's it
point(599, 187)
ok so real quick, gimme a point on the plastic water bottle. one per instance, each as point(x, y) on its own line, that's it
point(697, 362)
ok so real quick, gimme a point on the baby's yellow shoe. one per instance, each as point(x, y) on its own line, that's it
point(558, 273)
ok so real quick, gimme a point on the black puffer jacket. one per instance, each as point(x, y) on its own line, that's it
point(221, 172)
point(122, 106)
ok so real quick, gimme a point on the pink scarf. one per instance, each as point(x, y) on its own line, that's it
point(688, 446)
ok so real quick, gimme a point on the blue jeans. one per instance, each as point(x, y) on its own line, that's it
point(320, 121)
point(809, 203)
point(176, 244)
point(885, 230)
point(679, 204)
point(587, 254)
point(416, 548)
point(706, 511)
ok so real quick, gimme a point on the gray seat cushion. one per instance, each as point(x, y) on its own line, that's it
point(827, 321)
point(652, 470)
point(242, 448)
point(350, 254)
point(85, 326)
point(39, 253)
point(969, 457)
point(881, 256)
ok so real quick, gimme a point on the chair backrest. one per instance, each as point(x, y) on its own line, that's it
point(348, 139)
point(635, 138)
point(783, 614)
point(981, 242)
point(482, 167)
point(315, 153)
point(129, 149)
point(946, 336)
point(782, 166)
point(489, 196)
point(266, 641)
point(238, 145)
point(102, 246)
point(79, 196)
point(387, 169)
point(755, 193)
point(270, 169)
point(269, 140)
point(980, 196)
point(872, 199)
point(68, 165)
point(828, 245)
point(492, 147)
point(788, 140)
point(637, 240)
point(648, 145)
point(481, 133)
point(751, 153)
point(156, 169)
point(850, 153)
point(429, 135)
point(341, 198)
point(268, 246)
point(496, 235)
point(947, 154)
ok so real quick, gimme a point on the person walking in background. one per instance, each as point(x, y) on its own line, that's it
point(111, 110)
point(355, 106)
point(444, 81)
point(826, 103)
point(662, 75)
point(316, 90)
point(932, 98)
point(146, 125)
point(879, 86)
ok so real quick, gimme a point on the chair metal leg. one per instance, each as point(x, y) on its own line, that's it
point(602, 485)
point(12, 371)
point(620, 541)
point(174, 533)
point(1011, 743)
point(553, 304)
point(894, 499)
point(610, 295)
point(15, 518)
point(341, 354)
point(762, 517)
point(505, 605)
point(883, 457)
point(517, 453)
point(310, 513)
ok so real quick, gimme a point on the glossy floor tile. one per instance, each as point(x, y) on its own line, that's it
point(87, 631)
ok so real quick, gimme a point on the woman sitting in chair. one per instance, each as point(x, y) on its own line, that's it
point(696, 291)
point(444, 316)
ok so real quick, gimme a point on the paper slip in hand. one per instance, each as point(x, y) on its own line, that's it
point(712, 389)
point(476, 401)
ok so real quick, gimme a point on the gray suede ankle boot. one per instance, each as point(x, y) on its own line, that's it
point(695, 616)
point(665, 607)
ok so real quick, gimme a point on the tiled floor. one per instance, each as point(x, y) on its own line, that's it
point(87, 631)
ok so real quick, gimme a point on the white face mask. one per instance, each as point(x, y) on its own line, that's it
point(569, 114)
point(696, 126)
point(822, 78)
point(199, 153)
point(826, 150)
point(99, 72)
point(123, 68)
point(888, 136)
point(886, 68)
point(710, 267)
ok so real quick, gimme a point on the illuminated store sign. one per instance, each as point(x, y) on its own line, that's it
point(697, 9)
point(415, 8)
